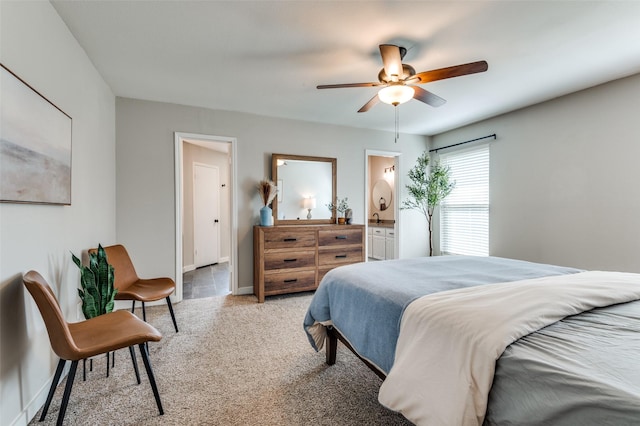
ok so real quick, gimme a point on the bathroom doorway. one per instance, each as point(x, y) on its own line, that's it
point(382, 204)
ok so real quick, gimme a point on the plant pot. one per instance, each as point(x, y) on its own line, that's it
point(342, 221)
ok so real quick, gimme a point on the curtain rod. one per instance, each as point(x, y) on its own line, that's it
point(462, 143)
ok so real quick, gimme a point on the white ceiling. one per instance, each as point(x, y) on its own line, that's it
point(267, 57)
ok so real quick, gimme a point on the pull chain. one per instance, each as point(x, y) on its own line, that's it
point(397, 124)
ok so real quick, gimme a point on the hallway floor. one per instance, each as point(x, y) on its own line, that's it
point(206, 281)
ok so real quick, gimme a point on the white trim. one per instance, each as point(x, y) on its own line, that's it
point(180, 138)
point(188, 268)
point(396, 206)
point(37, 402)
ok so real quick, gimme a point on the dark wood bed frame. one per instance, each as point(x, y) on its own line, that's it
point(333, 335)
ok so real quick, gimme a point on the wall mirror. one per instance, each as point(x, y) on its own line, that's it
point(305, 186)
point(381, 195)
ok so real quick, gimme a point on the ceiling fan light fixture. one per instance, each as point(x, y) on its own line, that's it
point(396, 94)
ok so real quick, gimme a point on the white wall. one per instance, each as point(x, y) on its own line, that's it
point(564, 178)
point(145, 178)
point(38, 47)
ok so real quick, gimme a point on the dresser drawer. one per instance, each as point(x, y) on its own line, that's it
point(340, 237)
point(277, 238)
point(289, 259)
point(289, 282)
point(340, 256)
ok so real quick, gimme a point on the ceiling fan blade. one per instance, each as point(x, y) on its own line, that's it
point(340, 86)
point(372, 102)
point(449, 72)
point(427, 97)
point(391, 59)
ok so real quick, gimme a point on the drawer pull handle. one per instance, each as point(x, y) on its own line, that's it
point(341, 256)
point(290, 239)
point(293, 280)
point(341, 237)
point(290, 260)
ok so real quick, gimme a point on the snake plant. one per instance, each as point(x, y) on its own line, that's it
point(97, 292)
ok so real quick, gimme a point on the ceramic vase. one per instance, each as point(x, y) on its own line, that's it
point(266, 216)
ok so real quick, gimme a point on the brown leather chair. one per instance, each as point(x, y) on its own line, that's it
point(131, 287)
point(95, 336)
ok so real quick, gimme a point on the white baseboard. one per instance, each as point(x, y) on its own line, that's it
point(244, 291)
point(189, 268)
point(31, 409)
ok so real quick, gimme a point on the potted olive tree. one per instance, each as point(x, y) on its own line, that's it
point(429, 186)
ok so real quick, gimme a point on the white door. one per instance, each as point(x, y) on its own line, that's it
point(206, 207)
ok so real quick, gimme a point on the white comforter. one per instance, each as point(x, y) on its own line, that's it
point(449, 341)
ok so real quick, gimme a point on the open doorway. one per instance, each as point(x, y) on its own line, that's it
point(383, 207)
point(206, 225)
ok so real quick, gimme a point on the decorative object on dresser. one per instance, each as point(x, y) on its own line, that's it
point(348, 216)
point(267, 190)
point(341, 207)
point(290, 259)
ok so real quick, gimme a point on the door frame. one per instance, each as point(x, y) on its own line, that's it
point(180, 138)
point(396, 188)
point(217, 169)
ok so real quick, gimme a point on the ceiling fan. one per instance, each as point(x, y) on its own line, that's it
point(399, 81)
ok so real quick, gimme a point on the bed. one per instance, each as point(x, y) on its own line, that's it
point(530, 344)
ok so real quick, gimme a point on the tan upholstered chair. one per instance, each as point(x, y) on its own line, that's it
point(131, 287)
point(95, 336)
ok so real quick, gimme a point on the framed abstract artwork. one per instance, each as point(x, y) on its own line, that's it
point(35, 145)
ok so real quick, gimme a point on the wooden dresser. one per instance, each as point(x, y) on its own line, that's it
point(293, 258)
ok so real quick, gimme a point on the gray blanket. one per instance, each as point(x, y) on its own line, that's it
point(582, 370)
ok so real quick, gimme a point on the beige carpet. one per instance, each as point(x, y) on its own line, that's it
point(234, 362)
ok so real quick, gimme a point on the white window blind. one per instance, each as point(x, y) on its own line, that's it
point(464, 214)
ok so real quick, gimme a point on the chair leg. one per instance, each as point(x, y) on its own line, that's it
point(144, 313)
point(52, 389)
point(152, 380)
point(173, 317)
point(84, 370)
point(107, 364)
point(67, 392)
point(135, 363)
point(133, 306)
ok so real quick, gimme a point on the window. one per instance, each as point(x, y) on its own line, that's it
point(464, 214)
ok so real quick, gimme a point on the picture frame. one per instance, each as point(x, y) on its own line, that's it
point(35, 145)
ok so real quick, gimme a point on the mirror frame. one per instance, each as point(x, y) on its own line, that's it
point(274, 178)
